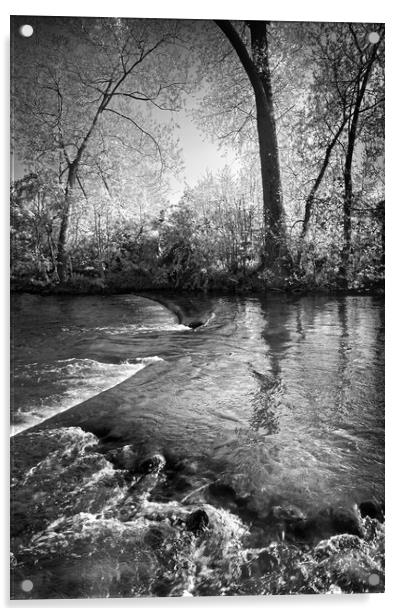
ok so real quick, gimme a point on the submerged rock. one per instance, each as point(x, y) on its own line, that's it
point(222, 491)
point(195, 324)
point(326, 523)
point(345, 521)
point(288, 513)
point(123, 458)
point(197, 521)
point(373, 510)
point(152, 464)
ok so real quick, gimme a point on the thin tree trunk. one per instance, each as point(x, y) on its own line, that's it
point(73, 167)
point(62, 266)
point(348, 186)
point(52, 255)
point(311, 197)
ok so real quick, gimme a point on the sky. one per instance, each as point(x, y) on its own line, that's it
point(200, 154)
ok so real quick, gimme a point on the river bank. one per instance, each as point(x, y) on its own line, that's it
point(108, 285)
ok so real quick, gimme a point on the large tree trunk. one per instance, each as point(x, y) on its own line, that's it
point(257, 69)
point(268, 147)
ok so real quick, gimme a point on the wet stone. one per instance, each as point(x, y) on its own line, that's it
point(197, 521)
point(288, 513)
point(195, 324)
point(123, 458)
point(152, 464)
point(154, 538)
point(336, 544)
point(222, 491)
point(345, 521)
point(326, 523)
point(373, 510)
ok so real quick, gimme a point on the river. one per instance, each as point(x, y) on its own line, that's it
point(274, 402)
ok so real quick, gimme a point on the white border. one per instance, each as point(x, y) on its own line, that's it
point(294, 10)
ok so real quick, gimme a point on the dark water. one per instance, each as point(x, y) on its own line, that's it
point(273, 403)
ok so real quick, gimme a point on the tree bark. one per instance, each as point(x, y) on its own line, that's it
point(268, 146)
point(62, 266)
point(258, 71)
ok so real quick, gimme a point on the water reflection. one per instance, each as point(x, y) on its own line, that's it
point(275, 402)
point(345, 362)
point(275, 333)
point(265, 403)
point(287, 393)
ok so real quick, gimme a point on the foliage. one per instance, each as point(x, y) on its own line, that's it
point(123, 230)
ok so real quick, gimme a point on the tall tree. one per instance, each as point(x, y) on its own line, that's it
point(256, 65)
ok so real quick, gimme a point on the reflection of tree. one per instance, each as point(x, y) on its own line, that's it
point(344, 372)
point(268, 398)
point(299, 322)
point(265, 403)
point(276, 332)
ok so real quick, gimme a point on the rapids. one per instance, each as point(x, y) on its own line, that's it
point(269, 416)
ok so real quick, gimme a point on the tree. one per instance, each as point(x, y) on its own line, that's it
point(343, 61)
point(81, 76)
point(367, 54)
point(35, 217)
point(257, 68)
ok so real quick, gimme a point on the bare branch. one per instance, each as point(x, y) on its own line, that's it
point(143, 132)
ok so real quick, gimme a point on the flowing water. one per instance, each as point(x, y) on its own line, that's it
point(269, 414)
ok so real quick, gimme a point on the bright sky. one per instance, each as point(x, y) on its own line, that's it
point(200, 154)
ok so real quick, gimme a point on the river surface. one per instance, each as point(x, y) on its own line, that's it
point(274, 402)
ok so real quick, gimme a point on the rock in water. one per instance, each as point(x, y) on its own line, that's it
point(326, 523)
point(197, 521)
point(152, 464)
point(288, 513)
point(372, 510)
point(335, 544)
point(222, 491)
point(123, 458)
point(195, 324)
point(127, 457)
point(346, 521)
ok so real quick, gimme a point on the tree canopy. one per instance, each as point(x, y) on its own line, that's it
point(94, 105)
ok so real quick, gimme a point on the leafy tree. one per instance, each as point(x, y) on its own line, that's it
point(256, 65)
point(81, 77)
point(35, 216)
point(346, 91)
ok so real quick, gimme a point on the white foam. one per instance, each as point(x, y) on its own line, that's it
point(149, 360)
point(133, 329)
point(80, 380)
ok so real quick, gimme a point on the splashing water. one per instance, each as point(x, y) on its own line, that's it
point(269, 418)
